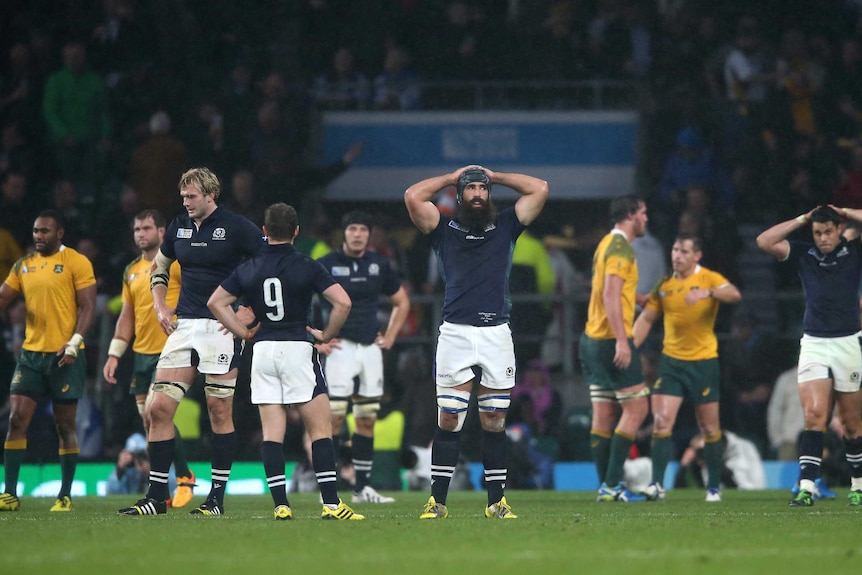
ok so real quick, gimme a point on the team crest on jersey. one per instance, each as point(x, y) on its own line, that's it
point(219, 234)
point(374, 270)
point(184, 233)
point(340, 271)
point(58, 268)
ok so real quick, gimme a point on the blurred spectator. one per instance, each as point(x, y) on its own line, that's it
point(842, 93)
point(531, 273)
point(848, 189)
point(749, 74)
point(243, 199)
point(15, 215)
point(749, 367)
point(397, 86)
point(10, 252)
point(535, 401)
point(64, 199)
point(800, 79)
point(693, 163)
point(204, 134)
point(16, 149)
point(743, 466)
point(721, 242)
point(156, 166)
point(21, 88)
point(76, 113)
point(784, 417)
point(342, 87)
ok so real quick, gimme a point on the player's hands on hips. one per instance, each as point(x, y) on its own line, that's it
point(326, 348)
point(384, 343)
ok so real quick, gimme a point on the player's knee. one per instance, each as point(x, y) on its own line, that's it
point(494, 422)
point(174, 389)
point(366, 409)
point(494, 403)
point(452, 408)
point(661, 423)
point(338, 406)
point(219, 388)
point(599, 395)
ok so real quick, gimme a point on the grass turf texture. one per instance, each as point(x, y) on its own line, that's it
point(556, 532)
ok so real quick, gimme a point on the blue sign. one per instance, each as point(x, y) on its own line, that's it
point(580, 154)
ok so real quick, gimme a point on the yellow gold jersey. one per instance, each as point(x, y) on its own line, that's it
point(614, 256)
point(689, 330)
point(149, 337)
point(49, 285)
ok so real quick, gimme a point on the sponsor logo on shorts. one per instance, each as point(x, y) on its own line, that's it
point(222, 359)
point(64, 389)
point(510, 371)
point(657, 383)
point(706, 391)
point(854, 376)
point(17, 377)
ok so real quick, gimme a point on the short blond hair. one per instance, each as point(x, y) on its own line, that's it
point(206, 181)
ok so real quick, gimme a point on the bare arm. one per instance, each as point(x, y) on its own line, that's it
point(612, 297)
point(643, 325)
point(774, 240)
point(341, 305)
point(417, 198)
point(220, 303)
point(8, 294)
point(86, 302)
point(534, 194)
point(160, 274)
point(123, 332)
point(400, 309)
point(725, 293)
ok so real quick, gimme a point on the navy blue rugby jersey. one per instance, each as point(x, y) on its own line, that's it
point(207, 255)
point(475, 267)
point(831, 285)
point(278, 284)
point(364, 279)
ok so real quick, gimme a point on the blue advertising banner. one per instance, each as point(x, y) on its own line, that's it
point(581, 154)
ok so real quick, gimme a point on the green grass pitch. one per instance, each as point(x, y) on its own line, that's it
point(556, 532)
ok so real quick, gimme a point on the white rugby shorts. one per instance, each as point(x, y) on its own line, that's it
point(835, 358)
point(460, 347)
point(352, 360)
point(214, 349)
point(283, 373)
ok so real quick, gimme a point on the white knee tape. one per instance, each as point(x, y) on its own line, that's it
point(599, 395)
point(221, 388)
point(369, 409)
point(338, 406)
point(142, 405)
point(625, 396)
point(491, 402)
point(173, 389)
point(453, 401)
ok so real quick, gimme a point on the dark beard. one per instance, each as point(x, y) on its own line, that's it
point(476, 219)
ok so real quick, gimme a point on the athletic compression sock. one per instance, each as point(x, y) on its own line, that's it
point(323, 462)
point(854, 458)
point(68, 464)
point(363, 458)
point(272, 455)
point(223, 446)
point(600, 447)
point(15, 452)
point(810, 457)
point(444, 458)
point(661, 452)
point(494, 461)
point(161, 455)
point(621, 443)
point(713, 453)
